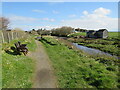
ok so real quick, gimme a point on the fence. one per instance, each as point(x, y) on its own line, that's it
point(7, 36)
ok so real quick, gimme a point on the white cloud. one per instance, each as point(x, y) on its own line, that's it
point(96, 20)
point(102, 11)
point(85, 12)
point(52, 20)
point(62, 20)
point(36, 27)
point(21, 19)
point(39, 11)
point(48, 27)
point(47, 19)
point(55, 12)
point(71, 16)
point(23, 27)
point(27, 23)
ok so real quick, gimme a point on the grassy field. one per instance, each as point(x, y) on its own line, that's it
point(110, 44)
point(17, 70)
point(76, 70)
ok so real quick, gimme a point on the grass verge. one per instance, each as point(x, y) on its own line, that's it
point(75, 70)
point(17, 70)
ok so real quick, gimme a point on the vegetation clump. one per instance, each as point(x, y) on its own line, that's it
point(63, 31)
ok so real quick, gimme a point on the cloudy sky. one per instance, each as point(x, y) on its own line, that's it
point(86, 15)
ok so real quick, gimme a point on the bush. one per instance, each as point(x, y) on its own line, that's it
point(63, 31)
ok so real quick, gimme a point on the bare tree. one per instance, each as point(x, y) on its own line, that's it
point(4, 23)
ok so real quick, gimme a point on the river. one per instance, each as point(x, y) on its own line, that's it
point(93, 52)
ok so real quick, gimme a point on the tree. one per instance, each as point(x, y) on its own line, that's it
point(43, 32)
point(4, 23)
point(63, 31)
point(17, 29)
point(39, 31)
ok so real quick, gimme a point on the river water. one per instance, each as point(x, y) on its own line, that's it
point(93, 52)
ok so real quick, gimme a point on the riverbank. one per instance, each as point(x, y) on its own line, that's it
point(108, 45)
point(74, 69)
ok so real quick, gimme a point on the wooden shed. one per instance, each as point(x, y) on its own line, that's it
point(101, 33)
point(91, 34)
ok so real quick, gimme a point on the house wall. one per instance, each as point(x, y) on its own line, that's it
point(99, 34)
point(105, 34)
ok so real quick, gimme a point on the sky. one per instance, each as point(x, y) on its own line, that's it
point(85, 15)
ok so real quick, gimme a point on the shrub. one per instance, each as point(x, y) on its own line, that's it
point(63, 31)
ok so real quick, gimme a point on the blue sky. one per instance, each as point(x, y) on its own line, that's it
point(88, 15)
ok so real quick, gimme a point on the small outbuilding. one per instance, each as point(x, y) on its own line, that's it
point(101, 33)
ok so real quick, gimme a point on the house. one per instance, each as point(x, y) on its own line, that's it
point(101, 33)
point(91, 34)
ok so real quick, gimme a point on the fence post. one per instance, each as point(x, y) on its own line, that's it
point(2, 37)
point(8, 37)
point(16, 35)
point(12, 35)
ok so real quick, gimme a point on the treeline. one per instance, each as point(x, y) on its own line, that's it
point(62, 31)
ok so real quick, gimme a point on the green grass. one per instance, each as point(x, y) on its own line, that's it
point(113, 34)
point(17, 70)
point(29, 41)
point(75, 70)
point(77, 34)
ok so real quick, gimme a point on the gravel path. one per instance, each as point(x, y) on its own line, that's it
point(44, 75)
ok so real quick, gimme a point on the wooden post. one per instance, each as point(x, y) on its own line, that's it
point(8, 37)
point(2, 37)
point(12, 35)
point(17, 35)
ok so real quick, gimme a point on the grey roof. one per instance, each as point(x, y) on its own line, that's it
point(102, 30)
point(91, 31)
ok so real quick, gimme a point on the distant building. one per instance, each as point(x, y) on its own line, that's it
point(80, 30)
point(101, 33)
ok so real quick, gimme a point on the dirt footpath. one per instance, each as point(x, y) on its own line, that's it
point(44, 75)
